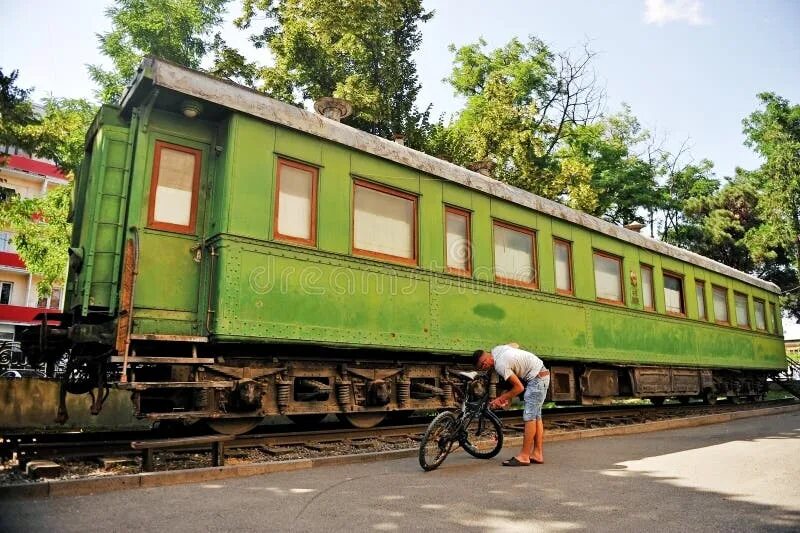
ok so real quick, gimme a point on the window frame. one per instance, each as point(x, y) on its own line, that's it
point(311, 241)
point(570, 267)
point(10, 291)
point(468, 216)
point(701, 283)
point(534, 256)
point(755, 315)
point(642, 268)
point(359, 252)
point(714, 288)
point(681, 278)
point(619, 261)
point(191, 228)
point(747, 325)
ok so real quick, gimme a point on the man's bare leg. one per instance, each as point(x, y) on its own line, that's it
point(528, 437)
point(537, 444)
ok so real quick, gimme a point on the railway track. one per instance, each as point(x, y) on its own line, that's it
point(83, 452)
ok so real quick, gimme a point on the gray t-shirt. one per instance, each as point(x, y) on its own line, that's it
point(509, 360)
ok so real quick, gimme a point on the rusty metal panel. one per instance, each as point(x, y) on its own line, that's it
point(649, 380)
point(598, 382)
point(562, 384)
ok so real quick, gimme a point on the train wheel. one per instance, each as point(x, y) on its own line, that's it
point(307, 420)
point(709, 397)
point(362, 420)
point(234, 426)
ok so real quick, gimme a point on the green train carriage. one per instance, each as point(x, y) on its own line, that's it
point(236, 257)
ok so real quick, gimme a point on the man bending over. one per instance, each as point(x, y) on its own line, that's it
point(523, 371)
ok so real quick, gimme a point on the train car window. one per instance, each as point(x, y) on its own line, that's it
point(761, 318)
point(721, 305)
point(384, 223)
point(700, 292)
point(514, 260)
point(673, 294)
point(296, 203)
point(774, 318)
point(648, 292)
point(608, 278)
point(562, 251)
point(173, 189)
point(742, 316)
point(458, 246)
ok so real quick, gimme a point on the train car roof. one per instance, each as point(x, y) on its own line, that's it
point(156, 73)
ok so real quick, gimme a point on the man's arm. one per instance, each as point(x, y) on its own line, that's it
point(516, 388)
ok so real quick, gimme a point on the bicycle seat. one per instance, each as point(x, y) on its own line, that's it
point(468, 375)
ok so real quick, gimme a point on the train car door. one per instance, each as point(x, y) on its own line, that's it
point(169, 287)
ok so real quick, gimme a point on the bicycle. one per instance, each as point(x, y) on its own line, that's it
point(475, 428)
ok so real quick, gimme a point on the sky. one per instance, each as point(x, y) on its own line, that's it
point(689, 69)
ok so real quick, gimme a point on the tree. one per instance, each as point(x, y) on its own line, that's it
point(774, 133)
point(683, 184)
point(176, 30)
point(60, 133)
point(16, 114)
point(41, 233)
point(359, 50)
point(622, 182)
point(40, 225)
point(522, 100)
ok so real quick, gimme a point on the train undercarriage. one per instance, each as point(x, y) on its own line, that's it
point(233, 387)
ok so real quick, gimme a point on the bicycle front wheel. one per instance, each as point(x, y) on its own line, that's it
point(483, 437)
point(437, 441)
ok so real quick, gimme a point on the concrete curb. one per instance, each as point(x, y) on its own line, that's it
point(80, 487)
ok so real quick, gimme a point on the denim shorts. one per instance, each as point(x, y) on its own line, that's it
point(535, 392)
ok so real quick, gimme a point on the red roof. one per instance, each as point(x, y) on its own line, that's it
point(27, 164)
point(11, 259)
point(20, 314)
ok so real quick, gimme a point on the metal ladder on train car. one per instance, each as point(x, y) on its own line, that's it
point(789, 379)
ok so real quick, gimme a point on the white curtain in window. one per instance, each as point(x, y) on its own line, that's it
point(673, 294)
point(647, 288)
point(173, 203)
point(457, 241)
point(563, 280)
point(513, 254)
point(701, 300)
point(741, 310)
point(383, 223)
point(720, 305)
point(294, 202)
point(761, 321)
point(607, 278)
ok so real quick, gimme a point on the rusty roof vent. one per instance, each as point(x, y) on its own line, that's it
point(484, 167)
point(634, 226)
point(333, 108)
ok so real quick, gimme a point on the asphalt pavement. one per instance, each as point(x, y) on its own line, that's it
point(737, 476)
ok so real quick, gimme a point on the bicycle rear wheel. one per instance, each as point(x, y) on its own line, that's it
point(483, 437)
point(437, 441)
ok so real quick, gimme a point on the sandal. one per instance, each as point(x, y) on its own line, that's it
point(515, 462)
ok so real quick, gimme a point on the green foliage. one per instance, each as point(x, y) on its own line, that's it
point(359, 50)
point(16, 113)
point(177, 30)
point(42, 233)
point(774, 132)
point(621, 182)
point(60, 133)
